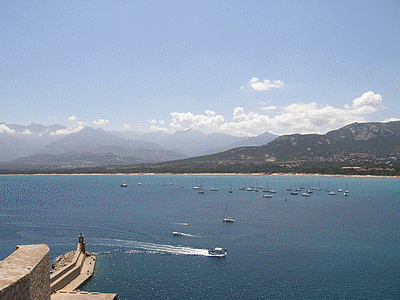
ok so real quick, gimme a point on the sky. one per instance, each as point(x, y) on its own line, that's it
point(235, 67)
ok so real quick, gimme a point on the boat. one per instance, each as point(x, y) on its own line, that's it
point(217, 251)
point(214, 189)
point(201, 192)
point(267, 195)
point(228, 220)
point(177, 233)
point(294, 193)
point(230, 190)
point(225, 218)
point(346, 192)
point(305, 194)
point(123, 184)
point(331, 193)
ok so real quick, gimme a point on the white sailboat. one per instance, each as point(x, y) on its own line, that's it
point(225, 218)
point(230, 190)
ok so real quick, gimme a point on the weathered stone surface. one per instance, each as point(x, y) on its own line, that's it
point(25, 273)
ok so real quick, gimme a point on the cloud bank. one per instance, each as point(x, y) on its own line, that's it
point(67, 130)
point(6, 129)
point(295, 118)
point(101, 122)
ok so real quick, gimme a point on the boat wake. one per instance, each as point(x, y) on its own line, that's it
point(190, 235)
point(182, 224)
point(150, 248)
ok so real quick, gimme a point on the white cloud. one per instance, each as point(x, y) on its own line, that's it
point(5, 129)
point(153, 121)
point(27, 132)
point(303, 117)
point(269, 108)
point(210, 121)
point(265, 85)
point(127, 126)
point(391, 120)
point(368, 103)
point(294, 118)
point(72, 118)
point(156, 128)
point(67, 130)
point(101, 122)
point(82, 123)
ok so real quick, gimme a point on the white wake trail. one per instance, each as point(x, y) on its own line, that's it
point(138, 247)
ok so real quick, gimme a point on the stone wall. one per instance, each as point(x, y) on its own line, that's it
point(25, 274)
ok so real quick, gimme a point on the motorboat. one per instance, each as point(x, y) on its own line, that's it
point(177, 233)
point(201, 192)
point(305, 194)
point(267, 196)
point(228, 220)
point(217, 251)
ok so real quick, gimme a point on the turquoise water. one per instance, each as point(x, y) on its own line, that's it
point(285, 247)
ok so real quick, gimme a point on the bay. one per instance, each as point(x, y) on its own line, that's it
point(285, 247)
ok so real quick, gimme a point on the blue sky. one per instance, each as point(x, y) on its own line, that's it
point(239, 67)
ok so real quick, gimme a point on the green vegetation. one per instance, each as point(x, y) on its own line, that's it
point(357, 149)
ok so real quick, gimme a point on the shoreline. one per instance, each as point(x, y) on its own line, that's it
point(207, 174)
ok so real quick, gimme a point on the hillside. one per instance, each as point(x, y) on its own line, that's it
point(359, 148)
point(356, 147)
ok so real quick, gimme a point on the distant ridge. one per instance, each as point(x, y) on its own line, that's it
point(370, 147)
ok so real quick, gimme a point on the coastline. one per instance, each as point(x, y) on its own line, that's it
point(205, 174)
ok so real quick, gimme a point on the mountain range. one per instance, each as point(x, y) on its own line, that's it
point(37, 146)
point(358, 146)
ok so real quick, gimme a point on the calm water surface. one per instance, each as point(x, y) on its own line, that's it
point(286, 247)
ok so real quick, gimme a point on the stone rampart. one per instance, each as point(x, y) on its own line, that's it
point(25, 274)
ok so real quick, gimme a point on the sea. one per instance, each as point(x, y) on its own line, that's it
point(319, 246)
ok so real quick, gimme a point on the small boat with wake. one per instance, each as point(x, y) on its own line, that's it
point(177, 233)
point(217, 252)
